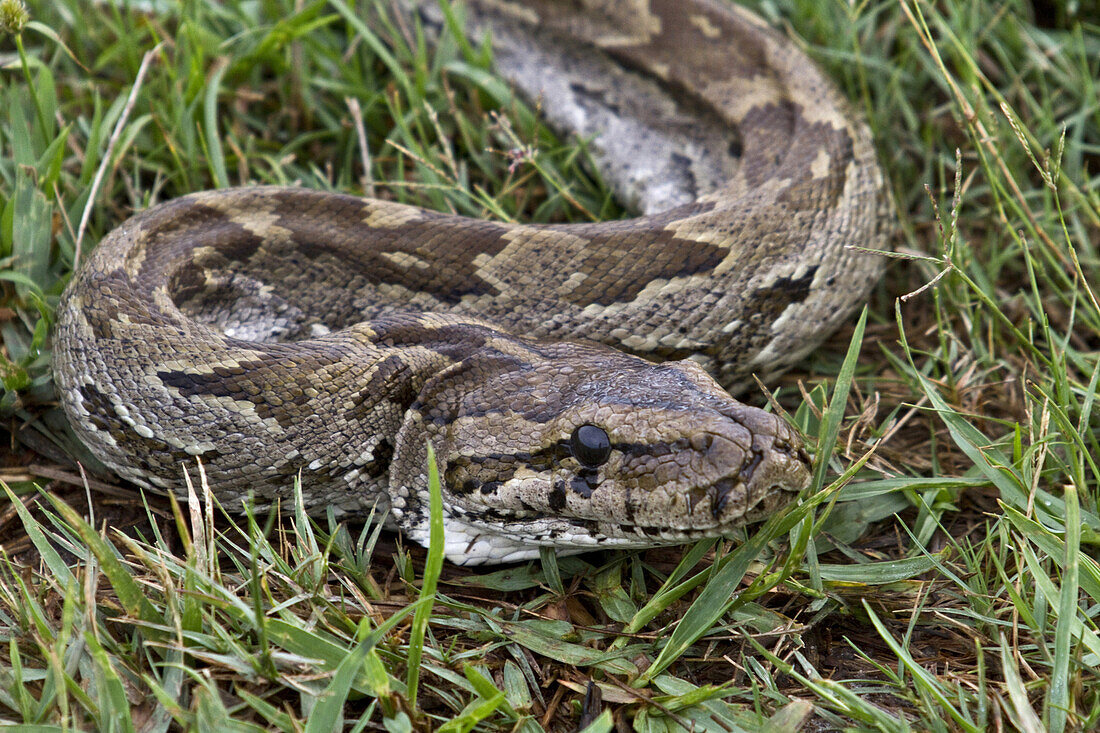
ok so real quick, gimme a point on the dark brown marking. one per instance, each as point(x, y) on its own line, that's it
point(445, 246)
point(750, 468)
point(585, 482)
point(720, 496)
point(556, 499)
point(622, 258)
point(245, 386)
point(771, 301)
point(390, 380)
point(98, 405)
point(383, 456)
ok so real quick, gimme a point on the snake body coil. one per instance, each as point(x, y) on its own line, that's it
point(278, 332)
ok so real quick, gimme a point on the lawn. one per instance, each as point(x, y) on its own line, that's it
point(939, 574)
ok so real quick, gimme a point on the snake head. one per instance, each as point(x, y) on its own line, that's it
point(578, 447)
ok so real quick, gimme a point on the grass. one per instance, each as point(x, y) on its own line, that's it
point(941, 575)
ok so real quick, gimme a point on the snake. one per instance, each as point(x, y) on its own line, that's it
point(574, 380)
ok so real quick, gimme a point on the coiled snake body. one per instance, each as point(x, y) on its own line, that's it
point(278, 332)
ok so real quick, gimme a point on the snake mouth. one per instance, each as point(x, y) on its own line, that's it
point(719, 509)
point(519, 537)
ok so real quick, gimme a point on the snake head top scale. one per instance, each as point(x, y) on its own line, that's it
point(567, 375)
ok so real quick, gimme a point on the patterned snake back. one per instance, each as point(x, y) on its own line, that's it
point(567, 375)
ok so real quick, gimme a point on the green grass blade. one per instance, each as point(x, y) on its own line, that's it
point(671, 590)
point(213, 137)
point(328, 711)
point(46, 549)
point(130, 593)
point(714, 599)
point(472, 715)
point(838, 403)
point(433, 566)
point(1022, 716)
point(603, 723)
point(1058, 699)
point(114, 708)
point(926, 682)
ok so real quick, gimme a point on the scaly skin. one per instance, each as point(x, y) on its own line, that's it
point(277, 332)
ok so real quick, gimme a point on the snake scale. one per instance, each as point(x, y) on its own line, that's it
point(568, 376)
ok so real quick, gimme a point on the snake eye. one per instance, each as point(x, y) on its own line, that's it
point(590, 445)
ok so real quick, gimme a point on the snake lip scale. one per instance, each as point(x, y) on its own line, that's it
point(571, 378)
